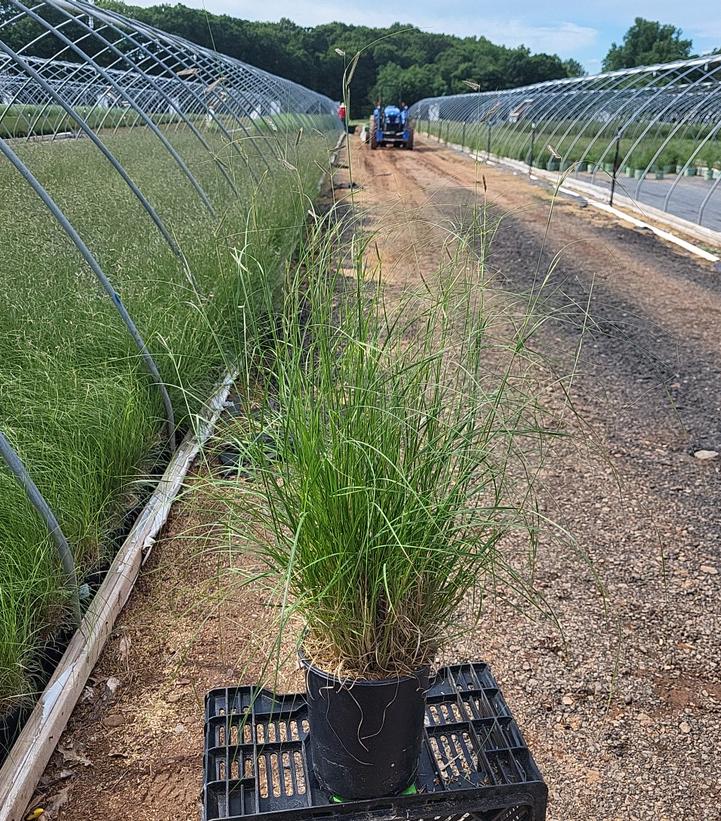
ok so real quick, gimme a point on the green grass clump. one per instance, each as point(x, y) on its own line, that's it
point(75, 397)
point(403, 438)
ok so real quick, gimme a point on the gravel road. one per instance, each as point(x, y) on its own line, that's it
point(623, 708)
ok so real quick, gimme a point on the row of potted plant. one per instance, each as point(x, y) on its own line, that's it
point(595, 152)
point(637, 163)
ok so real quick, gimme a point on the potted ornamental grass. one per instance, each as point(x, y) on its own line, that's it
point(669, 159)
point(708, 159)
point(404, 437)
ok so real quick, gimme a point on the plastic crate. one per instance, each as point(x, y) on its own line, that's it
point(474, 763)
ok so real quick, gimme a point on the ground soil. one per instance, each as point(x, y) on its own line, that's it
point(621, 705)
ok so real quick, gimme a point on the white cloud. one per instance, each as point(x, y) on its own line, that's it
point(565, 38)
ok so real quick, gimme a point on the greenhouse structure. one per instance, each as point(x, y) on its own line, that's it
point(654, 131)
point(138, 171)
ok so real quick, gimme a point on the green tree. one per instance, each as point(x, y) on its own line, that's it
point(395, 84)
point(647, 42)
point(573, 68)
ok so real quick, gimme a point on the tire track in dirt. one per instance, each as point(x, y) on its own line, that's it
point(656, 309)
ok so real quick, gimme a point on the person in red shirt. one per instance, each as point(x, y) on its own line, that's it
point(341, 112)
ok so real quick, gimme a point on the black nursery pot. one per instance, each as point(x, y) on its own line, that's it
point(365, 736)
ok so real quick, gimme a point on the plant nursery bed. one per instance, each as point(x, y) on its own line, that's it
point(47, 657)
point(474, 763)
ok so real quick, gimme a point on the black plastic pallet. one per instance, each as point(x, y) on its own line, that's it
point(474, 763)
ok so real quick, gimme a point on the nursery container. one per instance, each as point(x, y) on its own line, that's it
point(474, 762)
point(708, 173)
point(629, 171)
point(365, 735)
point(658, 174)
point(553, 165)
point(638, 173)
point(608, 167)
point(691, 171)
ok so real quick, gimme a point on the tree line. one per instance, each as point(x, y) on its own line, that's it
point(646, 43)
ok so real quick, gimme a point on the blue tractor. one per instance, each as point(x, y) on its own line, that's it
point(390, 126)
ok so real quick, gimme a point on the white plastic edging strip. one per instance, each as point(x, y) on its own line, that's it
point(665, 235)
point(37, 741)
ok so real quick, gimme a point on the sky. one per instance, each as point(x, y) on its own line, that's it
point(581, 29)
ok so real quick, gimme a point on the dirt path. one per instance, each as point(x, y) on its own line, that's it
point(622, 709)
